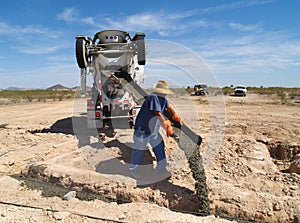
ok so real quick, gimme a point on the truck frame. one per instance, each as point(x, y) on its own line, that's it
point(109, 56)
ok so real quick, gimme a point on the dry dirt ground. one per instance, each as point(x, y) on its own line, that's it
point(249, 147)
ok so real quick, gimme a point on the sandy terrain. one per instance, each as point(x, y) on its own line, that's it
point(45, 153)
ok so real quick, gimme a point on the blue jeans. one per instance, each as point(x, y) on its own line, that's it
point(141, 141)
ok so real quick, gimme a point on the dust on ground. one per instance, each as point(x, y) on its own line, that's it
point(252, 176)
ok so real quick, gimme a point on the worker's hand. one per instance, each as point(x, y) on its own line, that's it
point(168, 127)
point(167, 124)
point(169, 131)
point(177, 118)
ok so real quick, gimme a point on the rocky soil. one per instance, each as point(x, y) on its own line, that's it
point(250, 148)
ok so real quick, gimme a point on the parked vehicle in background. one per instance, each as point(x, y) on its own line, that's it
point(240, 90)
point(201, 89)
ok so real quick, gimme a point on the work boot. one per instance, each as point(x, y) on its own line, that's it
point(161, 166)
point(133, 167)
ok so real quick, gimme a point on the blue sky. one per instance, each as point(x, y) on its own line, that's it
point(253, 42)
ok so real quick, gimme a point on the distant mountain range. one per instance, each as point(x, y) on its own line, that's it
point(58, 87)
point(54, 87)
point(15, 88)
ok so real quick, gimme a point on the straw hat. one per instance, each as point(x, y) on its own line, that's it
point(162, 87)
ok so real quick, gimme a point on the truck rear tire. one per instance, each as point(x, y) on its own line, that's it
point(140, 42)
point(81, 53)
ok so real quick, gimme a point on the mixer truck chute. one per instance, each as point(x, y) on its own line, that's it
point(110, 55)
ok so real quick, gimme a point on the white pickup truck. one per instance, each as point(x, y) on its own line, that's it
point(240, 90)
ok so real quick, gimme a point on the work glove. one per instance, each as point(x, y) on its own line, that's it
point(177, 118)
point(168, 127)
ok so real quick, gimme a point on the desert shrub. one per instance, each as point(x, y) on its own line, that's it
point(189, 90)
point(39, 95)
point(282, 97)
point(294, 94)
point(227, 90)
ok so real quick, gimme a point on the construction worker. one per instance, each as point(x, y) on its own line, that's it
point(196, 89)
point(147, 124)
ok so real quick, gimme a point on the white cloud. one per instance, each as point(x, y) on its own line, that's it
point(71, 15)
point(68, 15)
point(264, 53)
point(235, 5)
point(152, 22)
point(244, 28)
point(182, 15)
point(165, 23)
point(6, 29)
point(88, 21)
point(162, 23)
point(61, 59)
point(31, 39)
point(37, 49)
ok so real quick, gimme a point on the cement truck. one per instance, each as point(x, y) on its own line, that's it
point(110, 56)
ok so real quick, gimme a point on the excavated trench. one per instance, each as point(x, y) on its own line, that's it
point(164, 193)
point(283, 154)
